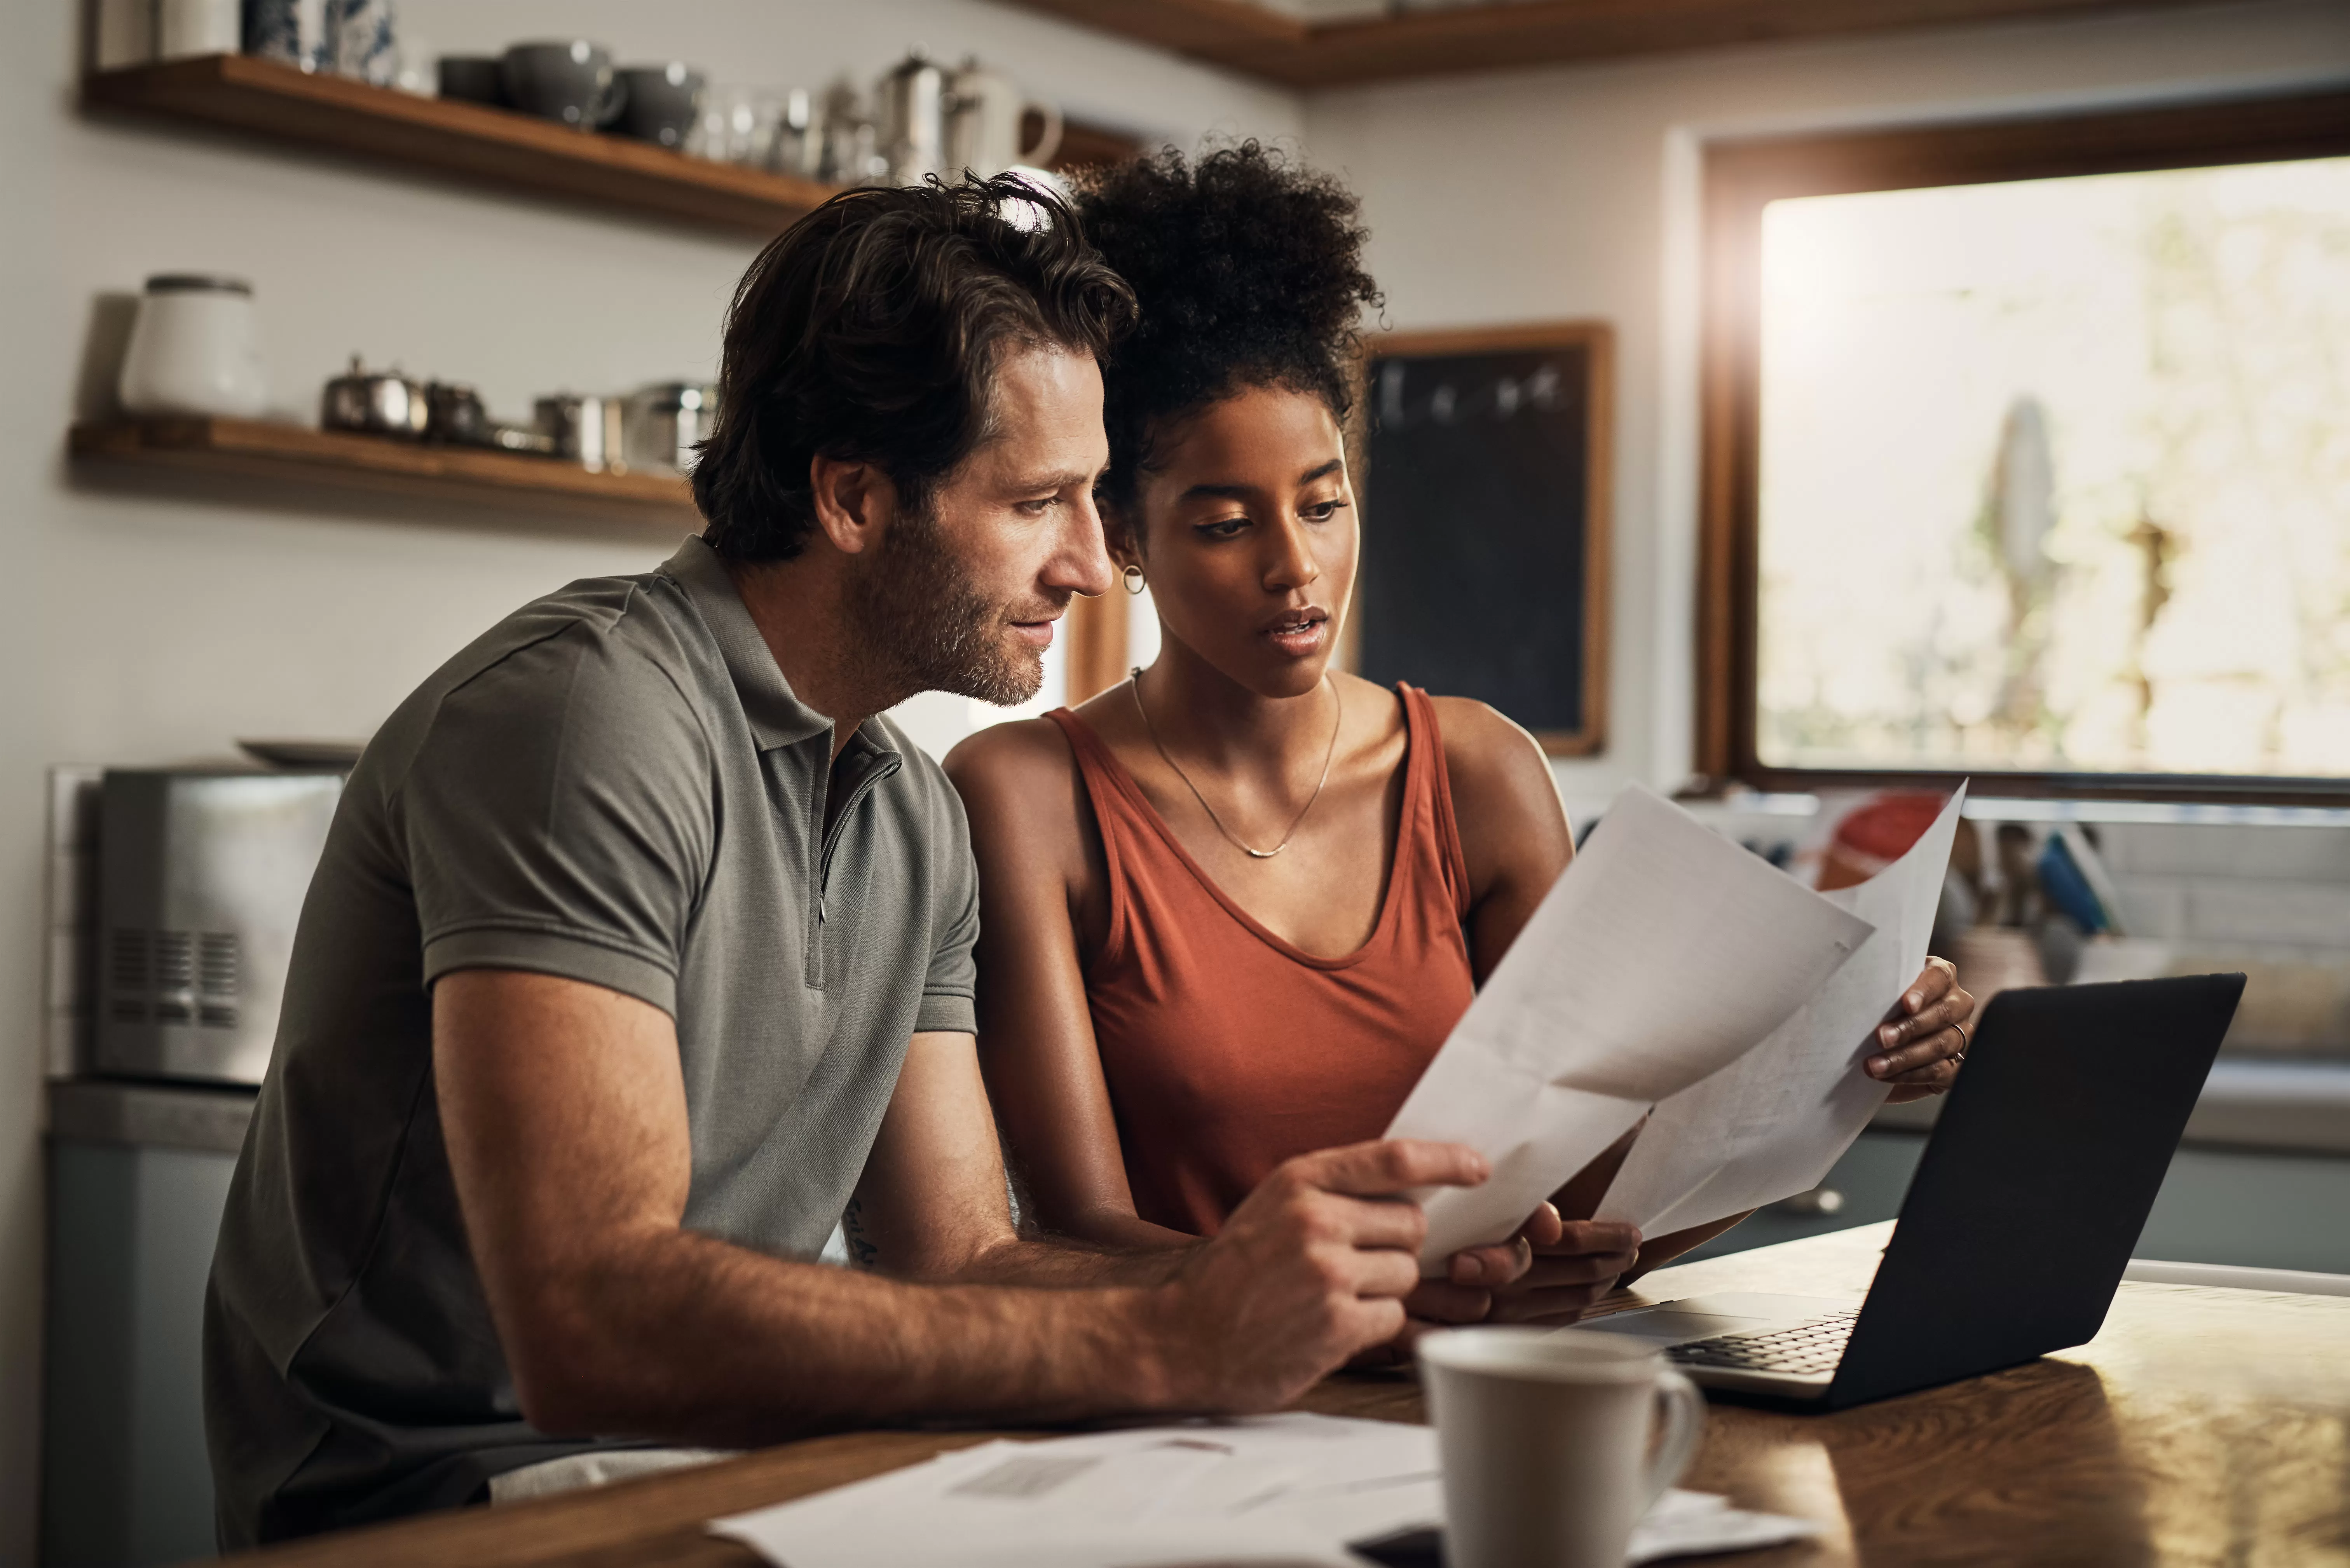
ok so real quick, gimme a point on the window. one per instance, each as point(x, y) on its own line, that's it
point(2028, 454)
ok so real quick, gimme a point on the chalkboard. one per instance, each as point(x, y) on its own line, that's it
point(1484, 503)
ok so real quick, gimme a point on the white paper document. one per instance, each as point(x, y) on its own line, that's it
point(1772, 1121)
point(1292, 1488)
point(1664, 952)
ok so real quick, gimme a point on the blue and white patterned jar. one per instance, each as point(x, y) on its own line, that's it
point(293, 32)
point(363, 40)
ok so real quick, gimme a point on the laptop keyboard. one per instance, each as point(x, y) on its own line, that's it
point(1804, 1347)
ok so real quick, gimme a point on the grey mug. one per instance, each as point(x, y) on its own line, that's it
point(663, 102)
point(571, 82)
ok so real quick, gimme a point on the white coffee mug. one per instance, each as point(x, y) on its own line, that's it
point(1554, 1442)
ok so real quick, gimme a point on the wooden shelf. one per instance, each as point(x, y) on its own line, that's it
point(253, 449)
point(490, 146)
point(1506, 35)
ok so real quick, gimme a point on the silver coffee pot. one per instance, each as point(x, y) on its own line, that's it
point(912, 105)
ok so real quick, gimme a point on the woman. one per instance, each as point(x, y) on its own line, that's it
point(1233, 905)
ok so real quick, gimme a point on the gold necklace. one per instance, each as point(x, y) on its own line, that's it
point(1337, 719)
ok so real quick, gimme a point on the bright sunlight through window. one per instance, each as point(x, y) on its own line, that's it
point(2055, 475)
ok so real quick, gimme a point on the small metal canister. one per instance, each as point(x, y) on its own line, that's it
point(588, 430)
point(378, 402)
point(454, 414)
point(666, 425)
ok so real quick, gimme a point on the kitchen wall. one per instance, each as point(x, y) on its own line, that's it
point(1576, 192)
point(144, 623)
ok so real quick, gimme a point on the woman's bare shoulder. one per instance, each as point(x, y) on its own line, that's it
point(1022, 769)
point(1479, 737)
point(1497, 768)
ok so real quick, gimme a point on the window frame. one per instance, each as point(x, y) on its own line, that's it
point(1743, 177)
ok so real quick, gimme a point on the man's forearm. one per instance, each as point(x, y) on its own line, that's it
point(1051, 1261)
point(687, 1338)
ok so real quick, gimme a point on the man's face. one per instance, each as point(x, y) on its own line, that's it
point(963, 595)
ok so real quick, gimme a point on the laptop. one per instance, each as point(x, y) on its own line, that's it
point(2022, 1213)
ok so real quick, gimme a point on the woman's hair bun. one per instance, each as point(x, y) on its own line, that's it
point(1247, 267)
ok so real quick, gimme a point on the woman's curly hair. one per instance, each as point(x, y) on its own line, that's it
point(1248, 271)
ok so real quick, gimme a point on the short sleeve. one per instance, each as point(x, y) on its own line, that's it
point(558, 818)
point(951, 985)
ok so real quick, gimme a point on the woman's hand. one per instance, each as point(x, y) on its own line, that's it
point(1574, 1263)
point(1919, 1050)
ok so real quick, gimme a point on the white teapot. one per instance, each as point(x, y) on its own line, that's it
point(984, 112)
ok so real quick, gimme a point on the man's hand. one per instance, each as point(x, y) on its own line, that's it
point(1313, 1267)
point(1921, 1047)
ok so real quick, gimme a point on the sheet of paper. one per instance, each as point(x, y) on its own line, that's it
point(1772, 1121)
point(1662, 953)
point(1294, 1489)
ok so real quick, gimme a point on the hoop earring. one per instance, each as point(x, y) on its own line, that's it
point(1133, 576)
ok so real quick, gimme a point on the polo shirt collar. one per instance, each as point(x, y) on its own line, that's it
point(777, 717)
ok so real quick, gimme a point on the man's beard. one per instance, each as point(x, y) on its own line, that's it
point(927, 627)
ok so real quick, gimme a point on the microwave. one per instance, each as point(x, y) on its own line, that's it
point(202, 875)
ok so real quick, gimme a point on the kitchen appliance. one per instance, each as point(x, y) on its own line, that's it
point(193, 350)
point(291, 32)
point(138, 1176)
point(590, 430)
point(662, 102)
point(912, 104)
point(664, 424)
point(570, 81)
point(375, 403)
point(985, 116)
point(201, 874)
point(454, 415)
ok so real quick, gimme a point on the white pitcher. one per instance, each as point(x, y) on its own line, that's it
point(983, 124)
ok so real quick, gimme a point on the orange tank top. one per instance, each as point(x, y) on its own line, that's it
point(1226, 1049)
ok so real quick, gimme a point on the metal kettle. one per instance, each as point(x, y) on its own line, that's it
point(912, 103)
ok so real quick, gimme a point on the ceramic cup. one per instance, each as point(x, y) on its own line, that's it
point(570, 81)
point(471, 78)
point(1554, 1443)
point(663, 102)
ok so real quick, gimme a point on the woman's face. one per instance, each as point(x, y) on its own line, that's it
point(1247, 537)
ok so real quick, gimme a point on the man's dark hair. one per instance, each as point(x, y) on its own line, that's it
point(871, 330)
point(1248, 269)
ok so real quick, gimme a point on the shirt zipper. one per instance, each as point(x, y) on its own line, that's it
point(856, 794)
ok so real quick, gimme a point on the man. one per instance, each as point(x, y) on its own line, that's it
point(640, 954)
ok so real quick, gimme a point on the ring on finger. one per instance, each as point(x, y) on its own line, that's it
point(1965, 1041)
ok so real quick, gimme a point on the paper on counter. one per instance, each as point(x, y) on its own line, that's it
point(1662, 953)
point(1292, 1487)
point(1295, 1488)
point(1775, 1121)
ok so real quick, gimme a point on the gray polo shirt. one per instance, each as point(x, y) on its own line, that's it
point(614, 785)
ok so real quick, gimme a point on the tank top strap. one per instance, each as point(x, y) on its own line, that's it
point(1115, 818)
point(1431, 780)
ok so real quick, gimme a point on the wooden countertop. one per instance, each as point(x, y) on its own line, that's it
point(2200, 1426)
